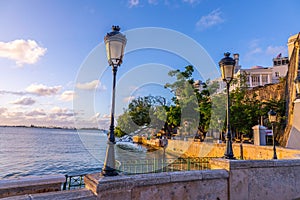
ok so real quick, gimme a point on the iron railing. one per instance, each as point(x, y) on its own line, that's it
point(146, 166)
point(73, 182)
point(163, 165)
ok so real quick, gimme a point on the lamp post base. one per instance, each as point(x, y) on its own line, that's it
point(274, 153)
point(230, 157)
point(229, 152)
point(109, 172)
point(109, 163)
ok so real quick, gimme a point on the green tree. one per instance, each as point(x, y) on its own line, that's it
point(142, 112)
point(195, 106)
point(125, 125)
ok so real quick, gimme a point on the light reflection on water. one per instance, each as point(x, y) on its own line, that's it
point(37, 151)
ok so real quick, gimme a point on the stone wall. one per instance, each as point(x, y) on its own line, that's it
point(274, 92)
point(229, 179)
point(31, 185)
point(261, 179)
point(197, 149)
point(205, 184)
point(268, 92)
point(290, 89)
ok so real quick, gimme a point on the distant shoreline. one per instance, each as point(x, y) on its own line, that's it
point(51, 127)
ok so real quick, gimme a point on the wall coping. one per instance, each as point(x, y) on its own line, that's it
point(31, 181)
point(220, 163)
point(268, 147)
point(132, 181)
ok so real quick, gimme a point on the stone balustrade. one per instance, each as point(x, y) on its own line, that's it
point(31, 185)
point(261, 179)
point(204, 184)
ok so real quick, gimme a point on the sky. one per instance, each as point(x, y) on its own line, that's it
point(52, 58)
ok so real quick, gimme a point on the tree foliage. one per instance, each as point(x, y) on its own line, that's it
point(202, 109)
point(195, 105)
point(142, 112)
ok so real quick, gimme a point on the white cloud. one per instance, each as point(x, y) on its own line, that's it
point(42, 90)
point(2, 110)
point(133, 3)
point(4, 92)
point(128, 99)
point(275, 50)
point(254, 43)
point(95, 118)
point(36, 113)
point(68, 95)
point(106, 116)
point(191, 1)
point(61, 113)
point(22, 51)
point(210, 20)
point(56, 116)
point(153, 2)
point(25, 101)
point(95, 84)
point(257, 52)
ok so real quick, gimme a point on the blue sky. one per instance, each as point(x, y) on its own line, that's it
point(44, 45)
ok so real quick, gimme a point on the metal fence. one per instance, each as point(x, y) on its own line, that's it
point(146, 166)
point(73, 182)
point(163, 165)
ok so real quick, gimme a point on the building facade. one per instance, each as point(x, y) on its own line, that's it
point(257, 75)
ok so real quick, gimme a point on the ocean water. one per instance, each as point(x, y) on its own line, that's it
point(38, 151)
point(41, 151)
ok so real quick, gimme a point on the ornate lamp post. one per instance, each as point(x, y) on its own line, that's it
point(227, 68)
point(115, 44)
point(272, 119)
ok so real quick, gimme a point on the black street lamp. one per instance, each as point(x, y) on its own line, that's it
point(272, 119)
point(115, 44)
point(227, 68)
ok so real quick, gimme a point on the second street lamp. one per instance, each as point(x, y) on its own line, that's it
point(115, 44)
point(272, 119)
point(227, 68)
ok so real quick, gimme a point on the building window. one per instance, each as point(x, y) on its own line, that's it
point(264, 78)
point(276, 74)
point(255, 80)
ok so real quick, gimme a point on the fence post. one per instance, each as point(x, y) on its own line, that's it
point(188, 164)
point(70, 180)
point(241, 151)
point(65, 183)
point(147, 163)
point(80, 184)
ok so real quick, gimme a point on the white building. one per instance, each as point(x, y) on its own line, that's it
point(258, 75)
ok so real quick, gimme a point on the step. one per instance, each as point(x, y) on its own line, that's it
point(78, 194)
